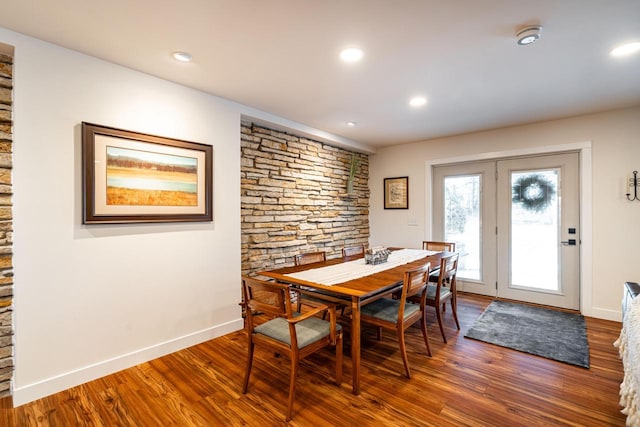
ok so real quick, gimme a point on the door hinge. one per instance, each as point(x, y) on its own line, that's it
point(496, 230)
point(496, 285)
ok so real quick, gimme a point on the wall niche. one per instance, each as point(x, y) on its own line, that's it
point(294, 198)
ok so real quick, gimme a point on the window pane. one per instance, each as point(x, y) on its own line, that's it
point(535, 229)
point(462, 222)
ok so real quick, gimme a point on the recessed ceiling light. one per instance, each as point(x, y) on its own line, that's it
point(528, 35)
point(626, 49)
point(351, 124)
point(351, 54)
point(182, 56)
point(418, 101)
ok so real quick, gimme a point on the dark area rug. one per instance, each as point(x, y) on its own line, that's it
point(548, 333)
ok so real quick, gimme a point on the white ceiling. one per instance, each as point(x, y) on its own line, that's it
point(281, 56)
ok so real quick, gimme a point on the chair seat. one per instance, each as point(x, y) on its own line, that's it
point(308, 331)
point(387, 309)
point(431, 292)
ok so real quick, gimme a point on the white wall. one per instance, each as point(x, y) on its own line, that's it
point(90, 300)
point(615, 141)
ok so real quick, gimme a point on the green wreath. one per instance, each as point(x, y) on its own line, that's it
point(533, 192)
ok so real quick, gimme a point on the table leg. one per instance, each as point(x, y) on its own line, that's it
point(355, 343)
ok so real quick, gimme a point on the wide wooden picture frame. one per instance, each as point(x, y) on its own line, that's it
point(132, 177)
point(396, 193)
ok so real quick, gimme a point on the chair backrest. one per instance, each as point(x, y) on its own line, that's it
point(439, 246)
point(271, 298)
point(353, 251)
point(309, 258)
point(448, 271)
point(414, 282)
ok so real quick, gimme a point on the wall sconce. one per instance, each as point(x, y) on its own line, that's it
point(632, 186)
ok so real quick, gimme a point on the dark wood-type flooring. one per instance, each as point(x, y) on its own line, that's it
point(465, 383)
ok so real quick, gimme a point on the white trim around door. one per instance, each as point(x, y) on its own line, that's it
point(586, 217)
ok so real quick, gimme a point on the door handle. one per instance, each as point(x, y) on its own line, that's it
point(570, 242)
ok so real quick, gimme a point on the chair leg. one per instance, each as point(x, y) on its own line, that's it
point(403, 351)
point(339, 358)
point(247, 372)
point(423, 325)
point(292, 384)
point(379, 333)
point(454, 310)
point(439, 317)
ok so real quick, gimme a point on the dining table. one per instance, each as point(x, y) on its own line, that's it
point(353, 282)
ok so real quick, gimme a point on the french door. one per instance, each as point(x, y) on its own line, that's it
point(516, 225)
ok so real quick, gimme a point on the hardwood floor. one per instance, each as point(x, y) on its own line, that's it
point(465, 383)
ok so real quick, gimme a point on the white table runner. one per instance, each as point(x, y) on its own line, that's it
point(338, 273)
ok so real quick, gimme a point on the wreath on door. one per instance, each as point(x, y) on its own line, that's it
point(533, 192)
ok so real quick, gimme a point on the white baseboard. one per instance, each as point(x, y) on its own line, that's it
point(31, 392)
point(604, 313)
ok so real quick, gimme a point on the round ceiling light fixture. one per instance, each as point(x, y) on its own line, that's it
point(351, 54)
point(351, 124)
point(626, 49)
point(417, 101)
point(528, 35)
point(182, 56)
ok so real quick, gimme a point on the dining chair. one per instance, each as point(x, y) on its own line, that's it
point(444, 290)
point(399, 314)
point(304, 259)
point(308, 296)
point(309, 258)
point(438, 246)
point(296, 334)
point(353, 252)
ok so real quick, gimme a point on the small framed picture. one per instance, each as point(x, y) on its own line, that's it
point(396, 193)
point(134, 177)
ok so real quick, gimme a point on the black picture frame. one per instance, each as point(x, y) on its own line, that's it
point(396, 193)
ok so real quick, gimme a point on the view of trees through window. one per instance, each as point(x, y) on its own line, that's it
point(462, 221)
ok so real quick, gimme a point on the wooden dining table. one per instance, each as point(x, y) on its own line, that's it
point(356, 293)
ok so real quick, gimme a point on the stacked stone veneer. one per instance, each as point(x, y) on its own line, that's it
point(6, 226)
point(294, 198)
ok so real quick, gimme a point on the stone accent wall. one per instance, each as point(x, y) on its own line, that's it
point(6, 226)
point(294, 198)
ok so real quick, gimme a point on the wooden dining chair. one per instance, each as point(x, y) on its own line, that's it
point(438, 246)
point(309, 258)
point(304, 259)
point(444, 290)
point(308, 296)
point(399, 314)
point(294, 334)
point(353, 252)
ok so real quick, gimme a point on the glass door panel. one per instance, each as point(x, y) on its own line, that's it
point(462, 222)
point(535, 229)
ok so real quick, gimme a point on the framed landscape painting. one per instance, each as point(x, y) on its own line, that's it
point(396, 193)
point(134, 177)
